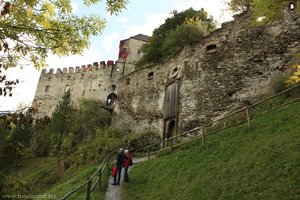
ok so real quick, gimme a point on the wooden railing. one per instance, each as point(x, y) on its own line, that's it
point(201, 132)
point(95, 179)
point(173, 142)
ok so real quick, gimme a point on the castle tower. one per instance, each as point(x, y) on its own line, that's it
point(130, 52)
point(97, 81)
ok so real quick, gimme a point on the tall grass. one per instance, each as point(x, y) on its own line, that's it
point(257, 162)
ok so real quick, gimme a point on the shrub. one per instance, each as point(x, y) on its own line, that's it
point(277, 82)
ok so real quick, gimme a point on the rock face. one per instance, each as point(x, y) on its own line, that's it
point(208, 79)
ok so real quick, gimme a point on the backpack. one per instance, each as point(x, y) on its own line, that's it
point(114, 171)
point(130, 162)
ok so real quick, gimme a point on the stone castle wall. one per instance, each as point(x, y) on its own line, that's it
point(234, 63)
point(95, 81)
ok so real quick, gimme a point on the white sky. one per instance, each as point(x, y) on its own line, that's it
point(141, 16)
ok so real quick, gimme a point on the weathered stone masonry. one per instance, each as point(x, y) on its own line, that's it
point(204, 81)
point(97, 81)
point(207, 79)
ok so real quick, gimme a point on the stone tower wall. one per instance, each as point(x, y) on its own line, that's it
point(88, 81)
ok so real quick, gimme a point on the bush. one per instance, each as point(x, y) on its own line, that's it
point(277, 82)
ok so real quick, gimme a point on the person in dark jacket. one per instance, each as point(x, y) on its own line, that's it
point(121, 158)
point(127, 164)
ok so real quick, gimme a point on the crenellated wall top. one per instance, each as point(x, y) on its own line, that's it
point(83, 68)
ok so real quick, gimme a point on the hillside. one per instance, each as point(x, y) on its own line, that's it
point(260, 162)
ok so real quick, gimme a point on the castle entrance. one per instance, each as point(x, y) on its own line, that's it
point(111, 100)
point(171, 128)
point(171, 102)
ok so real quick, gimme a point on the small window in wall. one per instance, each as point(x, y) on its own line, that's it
point(198, 66)
point(82, 75)
point(69, 77)
point(127, 81)
point(292, 6)
point(113, 87)
point(150, 75)
point(211, 48)
point(49, 78)
point(83, 93)
point(174, 72)
point(47, 88)
point(139, 53)
point(67, 87)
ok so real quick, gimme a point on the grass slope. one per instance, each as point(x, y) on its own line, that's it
point(257, 162)
point(42, 176)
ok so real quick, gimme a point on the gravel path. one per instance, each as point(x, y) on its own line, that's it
point(114, 192)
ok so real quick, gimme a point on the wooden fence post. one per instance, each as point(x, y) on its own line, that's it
point(148, 153)
point(248, 118)
point(100, 174)
point(107, 162)
point(203, 136)
point(88, 190)
point(171, 144)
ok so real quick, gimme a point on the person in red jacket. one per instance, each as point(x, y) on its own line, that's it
point(127, 164)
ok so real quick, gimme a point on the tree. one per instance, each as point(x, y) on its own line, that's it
point(51, 139)
point(272, 9)
point(61, 114)
point(162, 43)
point(6, 86)
point(239, 5)
point(266, 10)
point(31, 29)
point(181, 36)
point(90, 116)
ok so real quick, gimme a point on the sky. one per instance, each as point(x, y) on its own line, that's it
point(140, 16)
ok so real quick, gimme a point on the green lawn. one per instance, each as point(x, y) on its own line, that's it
point(257, 162)
point(42, 177)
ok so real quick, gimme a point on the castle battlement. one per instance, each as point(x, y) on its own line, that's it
point(84, 68)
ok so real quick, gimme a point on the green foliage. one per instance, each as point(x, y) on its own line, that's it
point(96, 146)
point(9, 185)
point(277, 82)
point(181, 36)
point(15, 135)
point(257, 162)
point(74, 130)
point(90, 115)
point(266, 10)
point(269, 9)
point(52, 138)
point(33, 29)
point(61, 114)
point(75, 176)
point(173, 35)
point(239, 5)
point(3, 131)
